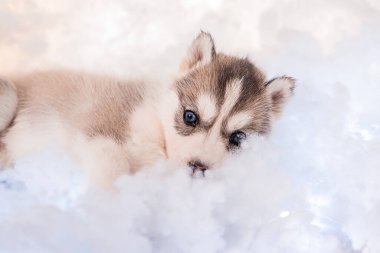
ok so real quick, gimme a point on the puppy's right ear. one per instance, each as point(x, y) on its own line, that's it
point(201, 52)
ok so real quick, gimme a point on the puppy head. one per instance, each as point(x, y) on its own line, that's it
point(216, 103)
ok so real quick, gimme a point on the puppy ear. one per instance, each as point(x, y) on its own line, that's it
point(201, 52)
point(279, 91)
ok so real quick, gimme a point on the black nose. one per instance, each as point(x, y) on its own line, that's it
point(197, 165)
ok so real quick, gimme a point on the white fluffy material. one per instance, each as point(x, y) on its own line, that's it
point(312, 186)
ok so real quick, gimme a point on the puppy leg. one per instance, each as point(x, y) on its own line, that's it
point(103, 159)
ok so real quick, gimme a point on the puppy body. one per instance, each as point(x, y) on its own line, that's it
point(90, 116)
point(113, 126)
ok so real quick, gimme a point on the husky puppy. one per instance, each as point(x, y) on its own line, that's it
point(116, 126)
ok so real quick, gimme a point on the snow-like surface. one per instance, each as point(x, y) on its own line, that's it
point(312, 186)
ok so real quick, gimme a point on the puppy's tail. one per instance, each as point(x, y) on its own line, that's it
point(8, 103)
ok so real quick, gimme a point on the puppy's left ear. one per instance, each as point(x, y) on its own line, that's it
point(201, 52)
point(279, 90)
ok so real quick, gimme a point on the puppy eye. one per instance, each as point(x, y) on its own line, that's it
point(236, 138)
point(190, 118)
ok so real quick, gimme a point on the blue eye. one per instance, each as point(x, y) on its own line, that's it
point(190, 118)
point(236, 138)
